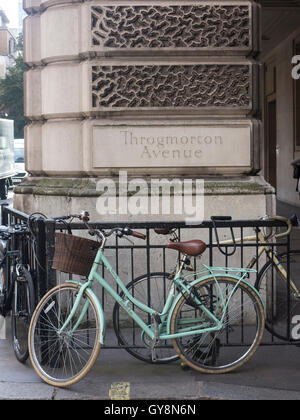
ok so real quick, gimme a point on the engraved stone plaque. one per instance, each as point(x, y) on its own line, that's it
point(171, 146)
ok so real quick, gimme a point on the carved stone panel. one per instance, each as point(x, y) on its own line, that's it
point(194, 86)
point(199, 26)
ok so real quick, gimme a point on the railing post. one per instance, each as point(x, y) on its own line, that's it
point(49, 250)
point(41, 283)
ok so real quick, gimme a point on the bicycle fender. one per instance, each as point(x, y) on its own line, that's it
point(101, 316)
point(98, 306)
point(207, 277)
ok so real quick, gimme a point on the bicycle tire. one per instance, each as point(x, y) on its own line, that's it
point(6, 290)
point(273, 287)
point(23, 304)
point(224, 351)
point(64, 359)
point(3, 290)
point(129, 334)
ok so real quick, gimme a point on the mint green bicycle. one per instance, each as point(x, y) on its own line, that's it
point(214, 317)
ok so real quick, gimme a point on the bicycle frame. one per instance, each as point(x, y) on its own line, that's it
point(165, 315)
point(264, 248)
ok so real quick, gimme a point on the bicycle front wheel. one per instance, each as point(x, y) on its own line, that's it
point(62, 358)
point(282, 302)
point(22, 309)
point(242, 329)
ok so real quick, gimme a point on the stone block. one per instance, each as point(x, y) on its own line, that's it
point(61, 88)
point(166, 28)
point(32, 40)
point(62, 146)
point(33, 148)
point(93, 89)
point(61, 34)
point(33, 94)
point(32, 6)
point(96, 148)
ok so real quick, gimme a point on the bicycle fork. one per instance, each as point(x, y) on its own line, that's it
point(74, 309)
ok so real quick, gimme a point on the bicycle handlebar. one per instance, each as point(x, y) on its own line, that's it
point(133, 233)
point(85, 217)
point(126, 231)
point(289, 223)
point(67, 217)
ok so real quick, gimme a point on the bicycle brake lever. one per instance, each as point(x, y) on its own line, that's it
point(129, 240)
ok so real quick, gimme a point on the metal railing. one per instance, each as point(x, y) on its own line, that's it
point(132, 260)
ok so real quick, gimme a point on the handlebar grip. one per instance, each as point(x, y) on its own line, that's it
point(68, 216)
point(58, 218)
point(221, 218)
point(138, 235)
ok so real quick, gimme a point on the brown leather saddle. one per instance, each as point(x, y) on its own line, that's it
point(191, 248)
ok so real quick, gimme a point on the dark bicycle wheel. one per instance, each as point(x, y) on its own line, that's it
point(4, 287)
point(152, 291)
point(22, 309)
point(282, 303)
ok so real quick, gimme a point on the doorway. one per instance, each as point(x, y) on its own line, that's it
point(271, 141)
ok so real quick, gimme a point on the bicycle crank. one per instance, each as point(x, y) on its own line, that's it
point(155, 341)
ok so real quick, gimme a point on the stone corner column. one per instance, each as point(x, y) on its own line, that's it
point(160, 89)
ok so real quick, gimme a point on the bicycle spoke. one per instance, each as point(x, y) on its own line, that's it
point(221, 350)
point(64, 355)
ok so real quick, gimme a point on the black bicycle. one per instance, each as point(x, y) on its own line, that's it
point(17, 295)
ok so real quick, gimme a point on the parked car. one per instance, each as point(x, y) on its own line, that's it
point(19, 161)
point(7, 161)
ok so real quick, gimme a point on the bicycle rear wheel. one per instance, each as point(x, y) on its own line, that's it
point(242, 329)
point(63, 358)
point(22, 309)
point(152, 291)
point(281, 301)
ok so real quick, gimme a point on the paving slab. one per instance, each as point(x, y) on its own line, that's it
point(272, 374)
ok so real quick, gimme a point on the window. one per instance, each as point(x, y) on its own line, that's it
point(297, 101)
point(11, 46)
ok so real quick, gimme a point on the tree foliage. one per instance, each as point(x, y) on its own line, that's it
point(12, 92)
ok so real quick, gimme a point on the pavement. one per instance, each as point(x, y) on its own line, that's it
point(272, 374)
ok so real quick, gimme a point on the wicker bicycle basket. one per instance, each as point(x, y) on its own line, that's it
point(73, 254)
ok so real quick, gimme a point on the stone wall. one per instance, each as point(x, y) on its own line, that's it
point(156, 88)
point(112, 63)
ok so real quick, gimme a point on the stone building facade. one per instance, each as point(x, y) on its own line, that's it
point(281, 99)
point(159, 89)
